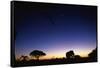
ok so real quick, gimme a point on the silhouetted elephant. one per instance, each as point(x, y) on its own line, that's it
point(70, 55)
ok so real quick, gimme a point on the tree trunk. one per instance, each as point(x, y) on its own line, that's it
point(37, 57)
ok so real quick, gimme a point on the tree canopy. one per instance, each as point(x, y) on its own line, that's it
point(70, 54)
point(93, 54)
point(37, 54)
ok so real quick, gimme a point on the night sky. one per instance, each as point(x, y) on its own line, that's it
point(54, 29)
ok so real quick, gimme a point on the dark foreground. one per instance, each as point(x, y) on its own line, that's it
point(53, 62)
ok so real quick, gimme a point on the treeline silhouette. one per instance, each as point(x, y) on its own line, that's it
point(70, 58)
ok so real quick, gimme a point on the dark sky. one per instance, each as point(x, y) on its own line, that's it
point(54, 29)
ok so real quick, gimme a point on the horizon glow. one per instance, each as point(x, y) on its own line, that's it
point(55, 30)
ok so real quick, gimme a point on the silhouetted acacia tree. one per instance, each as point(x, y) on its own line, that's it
point(70, 55)
point(37, 54)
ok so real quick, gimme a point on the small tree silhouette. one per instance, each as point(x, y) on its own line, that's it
point(70, 54)
point(37, 54)
point(24, 58)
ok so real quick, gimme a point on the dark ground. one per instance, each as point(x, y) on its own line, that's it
point(53, 61)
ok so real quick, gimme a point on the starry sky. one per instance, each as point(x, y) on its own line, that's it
point(54, 28)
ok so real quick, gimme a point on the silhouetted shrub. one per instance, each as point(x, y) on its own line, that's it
point(23, 58)
point(93, 54)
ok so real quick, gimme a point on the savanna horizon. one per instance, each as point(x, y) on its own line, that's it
point(58, 54)
point(54, 34)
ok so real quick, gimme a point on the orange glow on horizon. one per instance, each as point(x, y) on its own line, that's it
point(82, 53)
